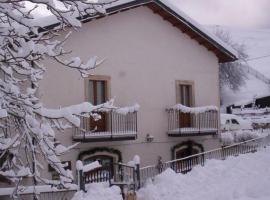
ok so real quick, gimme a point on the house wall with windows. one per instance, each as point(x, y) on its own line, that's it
point(145, 57)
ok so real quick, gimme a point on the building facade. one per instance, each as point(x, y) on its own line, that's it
point(155, 57)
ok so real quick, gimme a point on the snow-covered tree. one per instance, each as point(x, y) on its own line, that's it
point(232, 74)
point(28, 128)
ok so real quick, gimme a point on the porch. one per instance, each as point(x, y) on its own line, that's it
point(196, 121)
point(113, 125)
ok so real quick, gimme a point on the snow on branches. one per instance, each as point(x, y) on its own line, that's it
point(27, 128)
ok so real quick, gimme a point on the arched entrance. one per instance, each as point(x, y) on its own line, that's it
point(106, 157)
point(186, 149)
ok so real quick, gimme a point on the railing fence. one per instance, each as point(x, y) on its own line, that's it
point(65, 194)
point(184, 165)
point(112, 124)
point(185, 123)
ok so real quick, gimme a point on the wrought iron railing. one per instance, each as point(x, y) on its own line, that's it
point(112, 125)
point(42, 192)
point(184, 165)
point(192, 123)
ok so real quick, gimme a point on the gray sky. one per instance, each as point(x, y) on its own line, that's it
point(235, 13)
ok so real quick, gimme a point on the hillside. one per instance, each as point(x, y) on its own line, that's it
point(257, 43)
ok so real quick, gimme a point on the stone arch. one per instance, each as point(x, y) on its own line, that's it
point(101, 151)
point(186, 148)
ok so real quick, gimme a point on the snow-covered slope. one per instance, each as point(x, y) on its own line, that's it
point(245, 177)
point(253, 87)
point(258, 47)
point(257, 43)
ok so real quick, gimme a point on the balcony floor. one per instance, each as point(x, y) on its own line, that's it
point(104, 136)
point(179, 132)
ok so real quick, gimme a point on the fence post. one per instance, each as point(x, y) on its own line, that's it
point(81, 180)
point(137, 171)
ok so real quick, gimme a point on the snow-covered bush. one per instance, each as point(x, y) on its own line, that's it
point(230, 137)
point(28, 128)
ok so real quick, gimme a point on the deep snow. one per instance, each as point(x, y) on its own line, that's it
point(246, 177)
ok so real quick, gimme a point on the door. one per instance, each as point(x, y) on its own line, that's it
point(186, 100)
point(97, 95)
point(184, 151)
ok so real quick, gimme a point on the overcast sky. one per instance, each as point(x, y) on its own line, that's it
point(235, 13)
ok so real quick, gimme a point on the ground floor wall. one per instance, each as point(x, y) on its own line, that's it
point(149, 152)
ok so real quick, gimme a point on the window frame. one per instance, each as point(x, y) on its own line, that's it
point(107, 80)
point(178, 83)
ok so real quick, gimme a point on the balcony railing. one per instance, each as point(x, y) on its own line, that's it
point(186, 121)
point(113, 125)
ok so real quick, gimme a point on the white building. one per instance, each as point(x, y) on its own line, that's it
point(156, 57)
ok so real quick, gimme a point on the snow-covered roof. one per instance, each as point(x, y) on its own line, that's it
point(224, 52)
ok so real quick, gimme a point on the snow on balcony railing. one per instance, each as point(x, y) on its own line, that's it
point(113, 124)
point(183, 120)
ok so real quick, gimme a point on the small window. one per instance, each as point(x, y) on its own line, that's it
point(55, 175)
point(227, 121)
point(234, 121)
point(97, 88)
point(97, 91)
point(185, 93)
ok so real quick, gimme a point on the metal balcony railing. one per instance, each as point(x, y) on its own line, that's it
point(183, 121)
point(113, 125)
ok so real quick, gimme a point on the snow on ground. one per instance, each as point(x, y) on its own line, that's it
point(246, 177)
point(99, 191)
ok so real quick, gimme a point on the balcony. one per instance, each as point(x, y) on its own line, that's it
point(197, 121)
point(114, 125)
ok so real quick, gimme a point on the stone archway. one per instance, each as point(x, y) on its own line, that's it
point(105, 156)
point(186, 149)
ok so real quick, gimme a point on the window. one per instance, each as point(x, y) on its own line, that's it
point(55, 175)
point(234, 121)
point(184, 96)
point(184, 93)
point(97, 93)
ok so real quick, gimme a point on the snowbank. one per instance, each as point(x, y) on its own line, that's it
point(99, 191)
point(235, 178)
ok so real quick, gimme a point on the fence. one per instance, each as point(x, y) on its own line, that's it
point(112, 125)
point(184, 165)
point(181, 123)
point(43, 192)
point(116, 174)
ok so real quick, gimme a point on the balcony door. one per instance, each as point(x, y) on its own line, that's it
point(185, 98)
point(97, 94)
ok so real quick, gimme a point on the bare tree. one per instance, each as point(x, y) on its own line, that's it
point(232, 74)
point(28, 128)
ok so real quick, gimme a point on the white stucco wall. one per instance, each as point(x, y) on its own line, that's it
point(145, 55)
